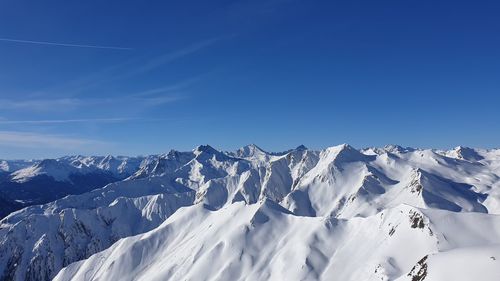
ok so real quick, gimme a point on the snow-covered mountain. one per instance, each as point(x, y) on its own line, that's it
point(61, 169)
point(24, 183)
point(9, 166)
point(389, 213)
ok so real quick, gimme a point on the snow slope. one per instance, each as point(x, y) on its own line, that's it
point(387, 213)
point(266, 242)
point(462, 264)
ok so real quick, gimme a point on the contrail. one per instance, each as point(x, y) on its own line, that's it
point(59, 121)
point(63, 44)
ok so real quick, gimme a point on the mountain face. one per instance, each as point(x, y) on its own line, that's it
point(389, 213)
point(25, 183)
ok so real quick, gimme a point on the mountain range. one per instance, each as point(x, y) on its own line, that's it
point(31, 182)
point(341, 213)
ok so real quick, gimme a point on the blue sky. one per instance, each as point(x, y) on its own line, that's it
point(141, 77)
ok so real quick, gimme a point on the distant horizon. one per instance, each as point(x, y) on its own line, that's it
point(235, 149)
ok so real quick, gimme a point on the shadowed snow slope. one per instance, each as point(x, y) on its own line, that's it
point(337, 214)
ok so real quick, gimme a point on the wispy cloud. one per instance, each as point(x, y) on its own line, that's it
point(172, 88)
point(63, 121)
point(85, 82)
point(170, 57)
point(36, 140)
point(66, 104)
point(125, 70)
point(157, 101)
point(60, 44)
point(69, 96)
point(40, 104)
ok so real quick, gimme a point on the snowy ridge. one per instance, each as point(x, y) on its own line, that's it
point(268, 243)
point(60, 169)
point(336, 214)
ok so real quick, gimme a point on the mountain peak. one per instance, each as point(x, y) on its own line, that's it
point(172, 153)
point(394, 148)
point(205, 152)
point(205, 148)
point(250, 151)
point(50, 167)
point(343, 153)
point(108, 157)
point(48, 163)
point(467, 153)
point(301, 147)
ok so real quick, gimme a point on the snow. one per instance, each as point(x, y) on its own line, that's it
point(463, 264)
point(62, 168)
point(266, 242)
point(53, 168)
point(389, 213)
point(14, 165)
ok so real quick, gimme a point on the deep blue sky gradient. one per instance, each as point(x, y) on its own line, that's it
point(276, 73)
